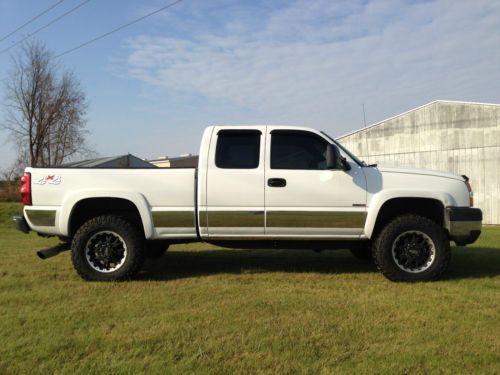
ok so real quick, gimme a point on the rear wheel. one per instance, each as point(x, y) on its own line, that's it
point(412, 248)
point(107, 248)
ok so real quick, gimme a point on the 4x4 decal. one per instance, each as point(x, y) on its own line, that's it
point(49, 179)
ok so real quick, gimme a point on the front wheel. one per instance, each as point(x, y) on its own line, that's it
point(107, 248)
point(412, 248)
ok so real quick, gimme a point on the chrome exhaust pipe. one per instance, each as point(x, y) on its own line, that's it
point(52, 251)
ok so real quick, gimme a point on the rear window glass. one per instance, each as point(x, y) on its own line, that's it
point(238, 149)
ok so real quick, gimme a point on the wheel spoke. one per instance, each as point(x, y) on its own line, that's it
point(413, 251)
point(106, 251)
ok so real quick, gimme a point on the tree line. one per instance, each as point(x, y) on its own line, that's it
point(44, 113)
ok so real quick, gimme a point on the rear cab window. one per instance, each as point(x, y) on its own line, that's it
point(238, 149)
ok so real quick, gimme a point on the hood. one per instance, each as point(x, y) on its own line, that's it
point(424, 172)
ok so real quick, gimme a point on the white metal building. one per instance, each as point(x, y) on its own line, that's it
point(458, 137)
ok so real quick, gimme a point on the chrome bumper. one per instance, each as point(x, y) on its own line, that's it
point(464, 224)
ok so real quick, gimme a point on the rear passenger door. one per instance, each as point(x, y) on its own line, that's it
point(235, 183)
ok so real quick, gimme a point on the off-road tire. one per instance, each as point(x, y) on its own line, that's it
point(130, 234)
point(383, 245)
point(156, 249)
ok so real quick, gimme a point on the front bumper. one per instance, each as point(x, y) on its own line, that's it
point(464, 224)
point(21, 224)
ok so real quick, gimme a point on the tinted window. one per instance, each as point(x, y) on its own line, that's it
point(298, 150)
point(238, 149)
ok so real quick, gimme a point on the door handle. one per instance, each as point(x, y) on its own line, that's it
point(276, 182)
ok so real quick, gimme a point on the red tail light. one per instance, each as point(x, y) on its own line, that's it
point(26, 189)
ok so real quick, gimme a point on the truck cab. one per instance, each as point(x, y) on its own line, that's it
point(276, 182)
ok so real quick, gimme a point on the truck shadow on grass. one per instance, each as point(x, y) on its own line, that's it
point(466, 263)
point(181, 264)
point(474, 262)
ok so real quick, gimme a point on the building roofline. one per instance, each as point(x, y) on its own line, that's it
point(413, 110)
point(177, 158)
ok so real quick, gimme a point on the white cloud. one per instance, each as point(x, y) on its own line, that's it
point(316, 62)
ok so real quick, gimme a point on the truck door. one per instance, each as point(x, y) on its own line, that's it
point(303, 198)
point(235, 183)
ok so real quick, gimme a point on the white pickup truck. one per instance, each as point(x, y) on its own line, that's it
point(255, 187)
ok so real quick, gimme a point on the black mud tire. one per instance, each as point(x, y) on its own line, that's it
point(383, 253)
point(363, 253)
point(130, 234)
point(156, 249)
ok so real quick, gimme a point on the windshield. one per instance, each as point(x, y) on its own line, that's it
point(351, 155)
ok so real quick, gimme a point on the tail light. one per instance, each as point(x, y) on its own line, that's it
point(26, 189)
point(469, 188)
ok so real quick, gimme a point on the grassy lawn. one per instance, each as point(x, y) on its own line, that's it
point(209, 310)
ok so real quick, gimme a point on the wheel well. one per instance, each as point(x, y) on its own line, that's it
point(429, 208)
point(92, 207)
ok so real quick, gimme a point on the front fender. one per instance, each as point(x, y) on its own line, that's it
point(379, 199)
point(74, 197)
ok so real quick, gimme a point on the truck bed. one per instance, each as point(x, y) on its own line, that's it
point(155, 191)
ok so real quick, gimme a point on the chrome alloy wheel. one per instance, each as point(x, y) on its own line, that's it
point(106, 251)
point(413, 251)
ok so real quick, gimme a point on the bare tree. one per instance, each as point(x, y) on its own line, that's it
point(45, 111)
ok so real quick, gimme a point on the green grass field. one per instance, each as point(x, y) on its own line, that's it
point(208, 310)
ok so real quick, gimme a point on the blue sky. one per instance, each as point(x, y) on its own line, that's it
point(153, 87)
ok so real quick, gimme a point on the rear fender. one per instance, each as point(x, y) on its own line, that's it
point(137, 199)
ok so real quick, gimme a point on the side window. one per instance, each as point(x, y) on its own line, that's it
point(297, 150)
point(238, 149)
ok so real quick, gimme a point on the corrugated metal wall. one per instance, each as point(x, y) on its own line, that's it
point(463, 138)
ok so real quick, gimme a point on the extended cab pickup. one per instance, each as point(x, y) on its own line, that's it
point(255, 187)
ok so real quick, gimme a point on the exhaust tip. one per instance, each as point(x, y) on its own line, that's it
point(41, 255)
point(52, 251)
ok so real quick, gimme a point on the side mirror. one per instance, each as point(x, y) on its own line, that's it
point(334, 160)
